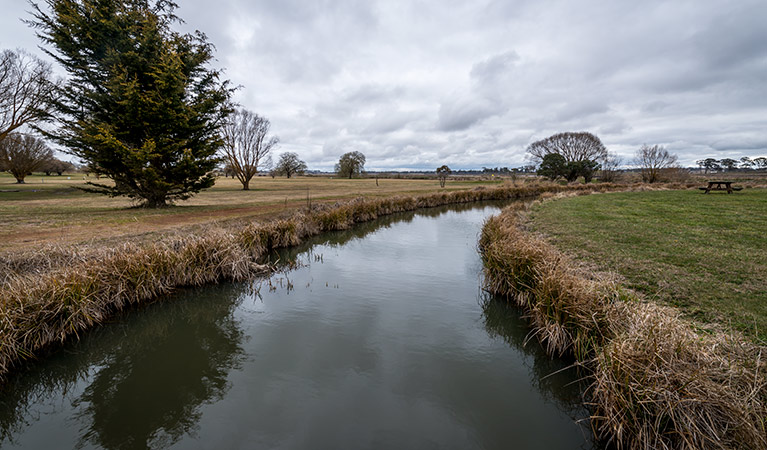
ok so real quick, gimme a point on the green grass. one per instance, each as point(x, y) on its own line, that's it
point(706, 254)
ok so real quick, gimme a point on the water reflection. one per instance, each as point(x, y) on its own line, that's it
point(557, 380)
point(135, 384)
point(381, 343)
point(290, 256)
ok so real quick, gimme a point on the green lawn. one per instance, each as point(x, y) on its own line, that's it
point(706, 254)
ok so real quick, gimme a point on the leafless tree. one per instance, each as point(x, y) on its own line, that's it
point(289, 165)
point(247, 146)
point(26, 90)
point(651, 161)
point(610, 165)
point(22, 154)
point(55, 165)
point(572, 146)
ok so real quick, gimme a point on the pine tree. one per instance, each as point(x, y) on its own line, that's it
point(140, 103)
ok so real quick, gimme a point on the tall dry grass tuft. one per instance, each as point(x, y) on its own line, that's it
point(657, 382)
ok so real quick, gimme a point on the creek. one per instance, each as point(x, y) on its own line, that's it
point(375, 337)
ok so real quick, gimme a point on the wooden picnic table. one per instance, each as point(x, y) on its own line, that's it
point(720, 186)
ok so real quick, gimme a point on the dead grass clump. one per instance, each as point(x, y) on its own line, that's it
point(657, 381)
point(659, 384)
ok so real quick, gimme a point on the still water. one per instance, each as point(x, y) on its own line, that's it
point(377, 337)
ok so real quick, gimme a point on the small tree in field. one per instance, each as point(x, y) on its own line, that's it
point(289, 165)
point(729, 164)
point(442, 173)
point(247, 146)
point(610, 165)
point(651, 160)
point(22, 154)
point(350, 164)
point(709, 164)
point(141, 102)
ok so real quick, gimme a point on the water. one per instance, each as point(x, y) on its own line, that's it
point(379, 338)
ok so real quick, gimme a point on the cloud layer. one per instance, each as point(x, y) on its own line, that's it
point(471, 84)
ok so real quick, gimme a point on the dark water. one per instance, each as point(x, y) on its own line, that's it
point(380, 338)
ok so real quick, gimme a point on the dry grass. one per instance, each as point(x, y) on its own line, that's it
point(658, 383)
point(54, 212)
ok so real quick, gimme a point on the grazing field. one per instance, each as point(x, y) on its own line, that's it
point(706, 254)
point(51, 209)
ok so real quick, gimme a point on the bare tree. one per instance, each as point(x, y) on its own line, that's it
point(22, 154)
point(289, 165)
point(572, 146)
point(55, 165)
point(247, 146)
point(26, 90)
point(651, 160)
point(610, 165)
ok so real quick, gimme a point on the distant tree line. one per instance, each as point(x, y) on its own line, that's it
point(729, 164)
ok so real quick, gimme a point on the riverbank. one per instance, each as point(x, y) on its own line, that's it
point(699, 253)
point(54, 295)
point(658, 380)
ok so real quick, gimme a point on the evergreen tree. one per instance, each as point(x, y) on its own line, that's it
point(553, 166)
point(140, 103)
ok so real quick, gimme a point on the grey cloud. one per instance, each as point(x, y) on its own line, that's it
point(418, 84)
point(460, 113)
point(489, 70)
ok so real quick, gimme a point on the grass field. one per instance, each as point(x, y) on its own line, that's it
point(706, 254)
point(51, 209)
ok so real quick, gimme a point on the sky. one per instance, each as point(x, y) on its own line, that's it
point(417, 84)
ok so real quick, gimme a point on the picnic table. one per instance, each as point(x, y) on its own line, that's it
point(720, 186)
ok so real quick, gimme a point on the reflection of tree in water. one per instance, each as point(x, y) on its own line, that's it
point(290, 256)
point(556, 379)
point(151, 373)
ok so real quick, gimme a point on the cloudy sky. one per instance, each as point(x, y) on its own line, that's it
point(417, 84)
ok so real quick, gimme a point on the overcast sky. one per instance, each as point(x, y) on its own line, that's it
point(417, 84)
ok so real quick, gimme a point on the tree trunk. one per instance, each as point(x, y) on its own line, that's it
point(246, 185)
point(158, 201)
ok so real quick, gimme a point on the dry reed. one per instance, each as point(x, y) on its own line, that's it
point(657, 382)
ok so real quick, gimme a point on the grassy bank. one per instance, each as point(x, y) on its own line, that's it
point(657, 382)
point(701, 253)
point(49, 296)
